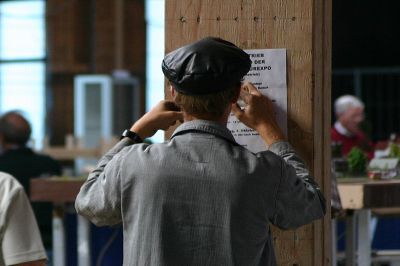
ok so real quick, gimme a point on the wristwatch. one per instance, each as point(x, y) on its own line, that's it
point(131, 135)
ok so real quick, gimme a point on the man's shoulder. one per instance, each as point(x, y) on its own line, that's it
point(8, 185)
point(43, 157)
point(23, 153)
point(40, 161)
point(6, 178)
point(46, 163)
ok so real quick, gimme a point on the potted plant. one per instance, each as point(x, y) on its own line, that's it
point(357, 162)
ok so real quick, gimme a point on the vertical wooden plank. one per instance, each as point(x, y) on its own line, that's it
point(135, 45)
point(80, 39)
point(60, 115)
point(134, 37)
point(303, 28)
point(322, 48)
point(104, 48)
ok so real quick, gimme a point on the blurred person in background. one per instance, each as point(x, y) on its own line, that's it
point(349, 111)
point(23, 163)
point(20, 240)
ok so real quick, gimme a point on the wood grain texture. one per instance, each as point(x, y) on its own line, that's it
point(81, 40)
point(322, 47)
point(303, 27)
point(67, 28)
point(60, 107)
point(104, 37)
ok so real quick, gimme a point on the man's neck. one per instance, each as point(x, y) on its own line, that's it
point(220, 120)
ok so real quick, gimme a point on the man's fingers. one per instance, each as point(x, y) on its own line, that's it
point(173, 116)
point(178, 116)
point(236, 110)
point(250, 88)
point(247, 91)
point(245, 96)
point(168, 118)
point(170, 105)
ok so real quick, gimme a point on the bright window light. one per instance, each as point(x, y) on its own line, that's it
point(22, 30)
point(154, 56)
point(21, 87)
point(22, 62)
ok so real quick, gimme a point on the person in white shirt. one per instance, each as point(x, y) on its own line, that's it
point(20, 239)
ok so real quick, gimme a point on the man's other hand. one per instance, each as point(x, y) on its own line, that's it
point(162, 116)
point(258, 114)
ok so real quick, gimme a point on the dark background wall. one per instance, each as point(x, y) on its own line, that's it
point(366, 40)
point(365, 33)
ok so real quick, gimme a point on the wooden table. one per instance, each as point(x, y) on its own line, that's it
point(58, 190)
point(61, 191)
point(363, 195)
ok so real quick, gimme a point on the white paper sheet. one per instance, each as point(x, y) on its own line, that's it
point(268, 74)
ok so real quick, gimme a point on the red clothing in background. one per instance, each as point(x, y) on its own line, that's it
point(348, 142)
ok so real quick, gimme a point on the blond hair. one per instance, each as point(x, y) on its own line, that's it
point(213, 104)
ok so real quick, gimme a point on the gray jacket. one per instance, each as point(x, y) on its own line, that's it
point(199, 198)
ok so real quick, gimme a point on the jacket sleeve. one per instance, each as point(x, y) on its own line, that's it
point(298, 199)
point(99, 198)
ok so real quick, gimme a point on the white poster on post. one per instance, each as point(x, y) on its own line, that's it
point(268, 75)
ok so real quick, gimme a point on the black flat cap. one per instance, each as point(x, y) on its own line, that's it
point(207, 66)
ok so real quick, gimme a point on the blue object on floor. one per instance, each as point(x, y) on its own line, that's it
point(341, 235)
point(387, 234)
point(100, 237)
point(107, 245)
point(70, 225)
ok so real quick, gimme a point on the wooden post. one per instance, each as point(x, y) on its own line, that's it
point(303, 27)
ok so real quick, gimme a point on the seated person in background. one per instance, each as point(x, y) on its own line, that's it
point(346, 131)
point(23, 163)
point(20, 240)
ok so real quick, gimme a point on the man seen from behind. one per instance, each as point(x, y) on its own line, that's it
point(200, 198)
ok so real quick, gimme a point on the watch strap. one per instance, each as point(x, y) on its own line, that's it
point(131, 135)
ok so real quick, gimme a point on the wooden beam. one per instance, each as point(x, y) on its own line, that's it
point(322, 50)
point(303, 27)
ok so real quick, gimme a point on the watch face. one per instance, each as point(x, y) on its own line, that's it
point(132, 135)
point(125, 134)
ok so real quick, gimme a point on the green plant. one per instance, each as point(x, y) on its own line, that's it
point(357, 161)
point(394, 151)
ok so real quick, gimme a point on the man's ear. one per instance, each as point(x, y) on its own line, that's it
point(172, 90)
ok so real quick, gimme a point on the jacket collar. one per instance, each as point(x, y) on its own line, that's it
point(204, 126)
point(342, 130)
